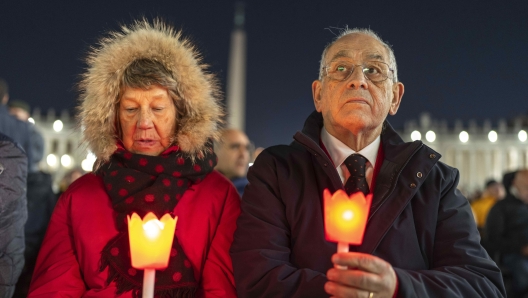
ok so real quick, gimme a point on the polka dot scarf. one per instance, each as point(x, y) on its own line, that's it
point(142, 184)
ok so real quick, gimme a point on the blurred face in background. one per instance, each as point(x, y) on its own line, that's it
point(233, 153)
point(497, 190)
point(148, 120)
point(19, 113)
point(520, 185)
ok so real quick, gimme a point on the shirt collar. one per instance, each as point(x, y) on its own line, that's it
point(339, 151)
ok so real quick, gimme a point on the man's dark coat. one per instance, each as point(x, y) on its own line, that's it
point(419, 222)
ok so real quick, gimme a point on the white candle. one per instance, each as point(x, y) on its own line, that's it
point(148, 283)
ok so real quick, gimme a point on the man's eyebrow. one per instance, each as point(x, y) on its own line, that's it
point(369, 56)
point(375, 56)
point(340, 54)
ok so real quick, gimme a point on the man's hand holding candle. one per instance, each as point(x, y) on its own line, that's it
point(366, 274)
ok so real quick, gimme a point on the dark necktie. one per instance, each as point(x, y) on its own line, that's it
point(356, 165)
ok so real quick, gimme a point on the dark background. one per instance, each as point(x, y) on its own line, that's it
point(458, 59)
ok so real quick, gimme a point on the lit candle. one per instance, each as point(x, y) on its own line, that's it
point(345, 218)
point(150, 245)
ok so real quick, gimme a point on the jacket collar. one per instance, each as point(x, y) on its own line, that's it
point(389, 138)
point(399, 168)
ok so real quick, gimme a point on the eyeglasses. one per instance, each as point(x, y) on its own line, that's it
point(374, 71)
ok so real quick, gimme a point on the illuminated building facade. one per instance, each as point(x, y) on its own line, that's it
point(478, 152)
point(62, 149)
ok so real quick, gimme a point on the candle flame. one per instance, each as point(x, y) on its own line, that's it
point(347, 215)
point(153, 228)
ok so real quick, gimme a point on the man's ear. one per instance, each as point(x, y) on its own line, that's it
point(397, 94)
point(316, 94)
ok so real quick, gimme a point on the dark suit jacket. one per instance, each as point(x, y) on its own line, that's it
point(419, 222)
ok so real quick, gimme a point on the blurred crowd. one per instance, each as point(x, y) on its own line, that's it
point(38, 200)
point(500, 210)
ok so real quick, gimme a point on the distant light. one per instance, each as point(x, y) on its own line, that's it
point(463, 136)
point(416, 135)
point(430, 136)
point(522, 136)
point(57, 125)
point(66, 161)
point(86, 165)
point(250, 164)
point(91, 156)
point(51, 159)
point(492, 136)
point(31, 120)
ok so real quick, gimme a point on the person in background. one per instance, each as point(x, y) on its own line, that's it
point(233, 152)
point(69, 178)
point(21, 110)
point(149, 110)
point(13, 213)
point(17, 130)
point(507, 180)
point(507, 232)
point(420, 239)
point(40, 198)
point(493, 192)
point(256, 153)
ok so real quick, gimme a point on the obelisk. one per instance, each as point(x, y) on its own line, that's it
point(236, 75)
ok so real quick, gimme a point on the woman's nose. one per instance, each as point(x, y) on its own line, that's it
point(145, 120)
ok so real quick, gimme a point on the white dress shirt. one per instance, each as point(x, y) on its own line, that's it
point(339, 152)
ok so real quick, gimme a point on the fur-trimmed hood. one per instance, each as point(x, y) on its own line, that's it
point(100, 86)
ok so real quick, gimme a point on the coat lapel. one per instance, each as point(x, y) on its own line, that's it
point(397, 172)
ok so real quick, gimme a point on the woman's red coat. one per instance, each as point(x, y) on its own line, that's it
point(83, 223)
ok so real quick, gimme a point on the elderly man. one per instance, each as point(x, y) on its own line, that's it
point(507, 229)
point(420, 240)
point(233, 157)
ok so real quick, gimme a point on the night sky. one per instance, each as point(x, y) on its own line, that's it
point(457, 59)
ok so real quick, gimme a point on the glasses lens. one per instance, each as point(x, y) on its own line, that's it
point(339, 70)
point(376, 71)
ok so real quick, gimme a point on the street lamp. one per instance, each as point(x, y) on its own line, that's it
point(416, 135)
point(492, 136)
point(463, 136)
point(430, 136)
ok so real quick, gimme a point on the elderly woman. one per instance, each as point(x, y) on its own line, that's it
point(149, 110)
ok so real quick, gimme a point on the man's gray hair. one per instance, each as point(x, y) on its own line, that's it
point(346, 31)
